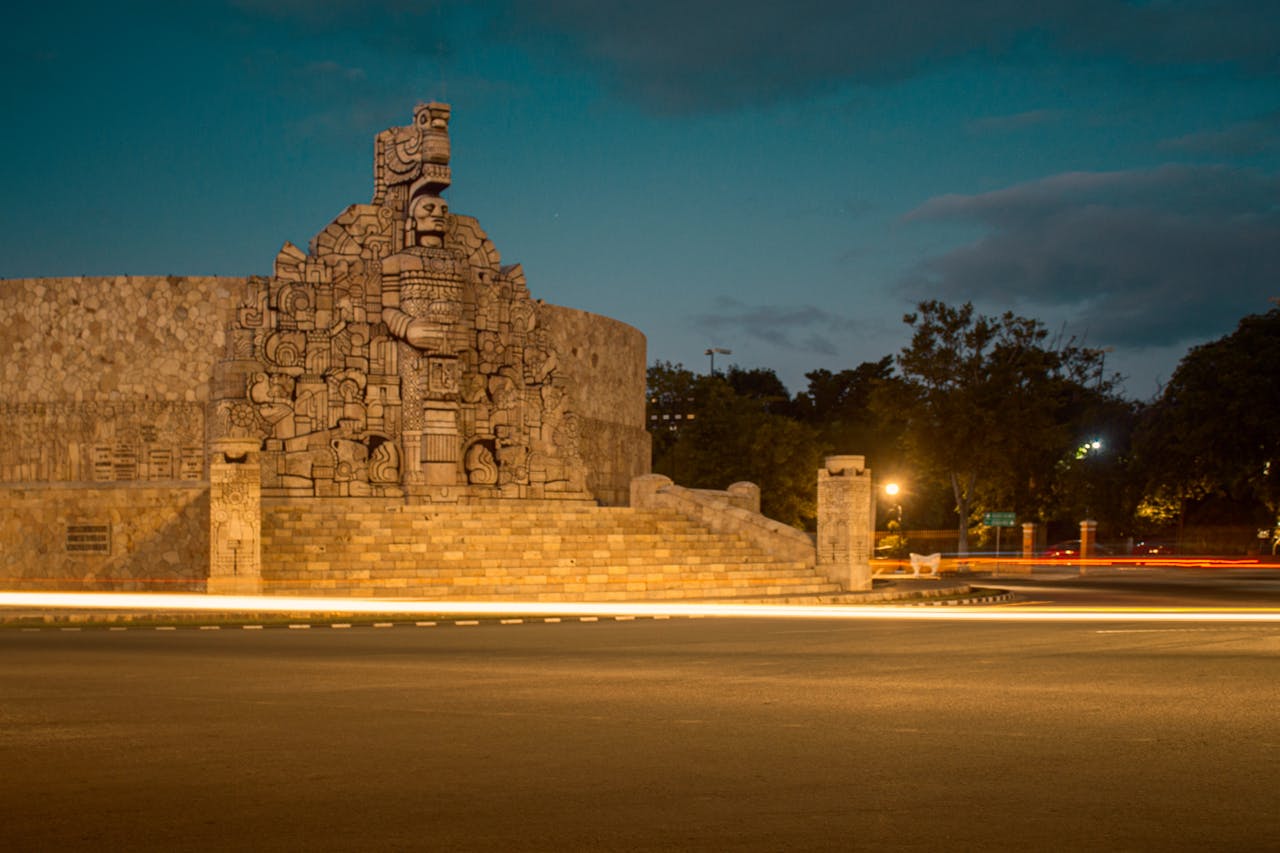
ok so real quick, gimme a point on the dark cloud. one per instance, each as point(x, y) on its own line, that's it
point(423, 27)
point(1141, 258)
point(677, 56)
point(800, 328)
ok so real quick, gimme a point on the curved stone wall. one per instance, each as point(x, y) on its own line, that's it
point(607, 357)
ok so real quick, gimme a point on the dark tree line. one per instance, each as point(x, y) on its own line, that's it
point(992, 413)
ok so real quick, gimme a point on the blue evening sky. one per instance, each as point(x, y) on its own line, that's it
point(784, 180)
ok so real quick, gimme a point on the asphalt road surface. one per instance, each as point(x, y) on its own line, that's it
point(1143, 587)
point(684, 734)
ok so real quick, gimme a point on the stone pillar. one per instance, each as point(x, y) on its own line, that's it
point(846, 522)
point(1028, 540)
point(235, 517)
point(1088, 536)
point(745, 496)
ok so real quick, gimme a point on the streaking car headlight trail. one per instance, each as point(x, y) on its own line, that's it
point(236, 604)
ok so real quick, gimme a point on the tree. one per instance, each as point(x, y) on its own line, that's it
point(671, 400)
point(723, 436)
point(843, 397)
point(1096, 479)
point(1214, 429)
point(985, 405)
point(760, 384)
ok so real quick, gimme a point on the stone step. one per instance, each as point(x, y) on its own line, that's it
point(546, 550)
point(652, 572)
point(545, 592)
point(417, 526)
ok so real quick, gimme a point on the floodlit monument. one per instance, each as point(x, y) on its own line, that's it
point(389, 412)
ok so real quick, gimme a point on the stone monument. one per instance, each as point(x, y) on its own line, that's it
point(846, 522)
point(154, 420)
point(399, 356)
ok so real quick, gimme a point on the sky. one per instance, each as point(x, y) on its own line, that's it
point(782, 180)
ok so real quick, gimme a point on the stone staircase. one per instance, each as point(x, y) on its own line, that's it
point(529, 550)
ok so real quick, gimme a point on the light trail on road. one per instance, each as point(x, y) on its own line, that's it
point(240, 604)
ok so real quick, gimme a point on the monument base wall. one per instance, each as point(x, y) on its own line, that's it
point(616, 454)
point(82, 536)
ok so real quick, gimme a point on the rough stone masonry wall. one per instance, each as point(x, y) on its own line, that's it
point(105, 385)
point(105, 538)
point(113, 338)
point(607, 360)
point(103, 398)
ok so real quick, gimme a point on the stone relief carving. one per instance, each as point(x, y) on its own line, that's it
point(103, 442)
point(398, 355)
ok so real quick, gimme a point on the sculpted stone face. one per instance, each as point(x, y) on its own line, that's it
point(427, 219)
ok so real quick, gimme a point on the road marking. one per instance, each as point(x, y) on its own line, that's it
point(425, 624)
point(117, 628)
point(166, 628)
point(588, 618)
point(552, 619)
point(70, 629)
point(512, 621)
point(383, 624)
point(467, 622)
point(624, 619)
point(251, 627)
point(298, 627)
point(340, 625)
point(210, 627)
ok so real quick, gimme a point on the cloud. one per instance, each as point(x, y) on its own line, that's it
point(1014, 123)
point(1140, 258)
point(674, 56)
point(800, 328)
point(1242, 139)
point(421, 27)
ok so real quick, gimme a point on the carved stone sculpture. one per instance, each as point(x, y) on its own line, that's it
point(398, 356)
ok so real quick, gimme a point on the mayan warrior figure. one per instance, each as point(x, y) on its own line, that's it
point(423, 305)
point(398, 356)
point(423, 296)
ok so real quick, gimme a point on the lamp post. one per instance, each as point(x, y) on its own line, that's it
point(895, 526)
point(892, 489)
point(711, 351)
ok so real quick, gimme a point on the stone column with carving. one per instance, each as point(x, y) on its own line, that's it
point(846, 522)
point(235, 517)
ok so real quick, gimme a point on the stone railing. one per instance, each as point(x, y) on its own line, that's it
point(734, 511)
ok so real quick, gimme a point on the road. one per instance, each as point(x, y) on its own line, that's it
point(1143, 587)
point(682, 734)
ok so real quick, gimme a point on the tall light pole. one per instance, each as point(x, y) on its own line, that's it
point(892, 489)
point(712, 352)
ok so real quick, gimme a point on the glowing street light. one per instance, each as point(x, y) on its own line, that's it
point(892, 490)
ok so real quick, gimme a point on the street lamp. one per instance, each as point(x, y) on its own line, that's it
point(892, 489)
point(712, 352)
point(896, 540)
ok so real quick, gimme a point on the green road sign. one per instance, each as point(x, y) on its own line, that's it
point(1000, 519)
